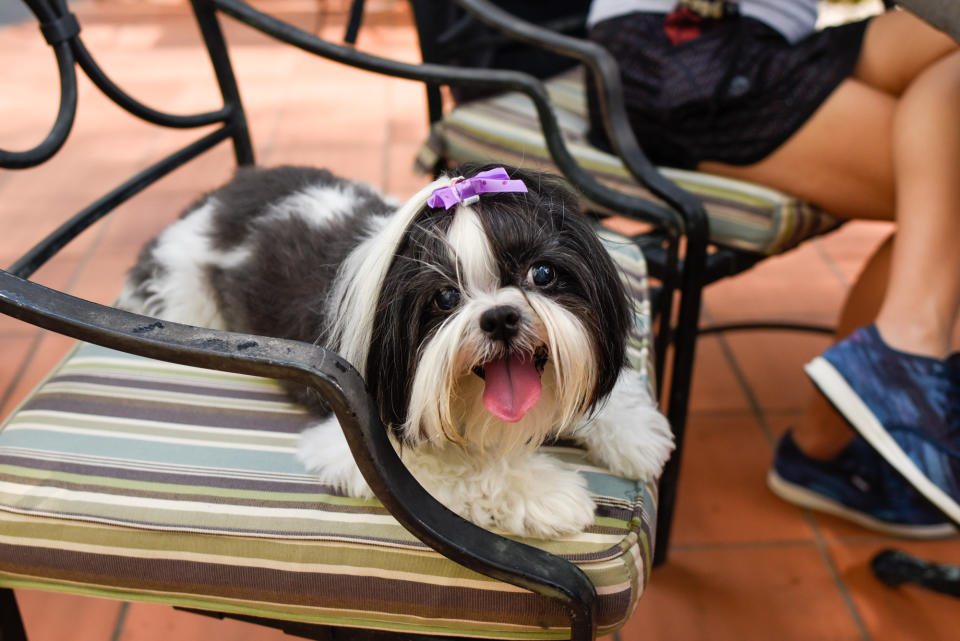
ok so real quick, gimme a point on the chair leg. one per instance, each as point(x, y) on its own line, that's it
point(11, 625)
point(685, 343)
point(213, 39)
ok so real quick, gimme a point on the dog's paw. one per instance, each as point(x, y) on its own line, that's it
point(323, 450)
point(527, 495)
point(553, 511)
point(629, 436)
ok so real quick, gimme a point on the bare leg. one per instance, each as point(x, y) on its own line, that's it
point(842, 159)
point(923, 297)
point(821, 432)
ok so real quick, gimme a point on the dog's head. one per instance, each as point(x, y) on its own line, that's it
point(496, 323)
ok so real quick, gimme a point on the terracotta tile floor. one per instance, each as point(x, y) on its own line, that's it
point(744, 565)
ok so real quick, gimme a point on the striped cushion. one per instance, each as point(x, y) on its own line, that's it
point(506, 129)
point(142, 480)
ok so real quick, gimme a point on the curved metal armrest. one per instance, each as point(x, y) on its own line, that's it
point(342, 387)
point(665, 217)
point(69, 50)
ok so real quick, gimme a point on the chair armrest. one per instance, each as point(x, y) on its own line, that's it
point(343, 389)
point(606, 75)
point(665, 217)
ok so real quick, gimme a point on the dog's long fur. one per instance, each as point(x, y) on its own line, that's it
point(301, 254)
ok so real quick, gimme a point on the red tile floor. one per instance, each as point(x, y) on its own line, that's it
point(744, 565)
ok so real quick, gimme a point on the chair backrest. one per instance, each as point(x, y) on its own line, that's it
point(62, 32)
point(449, 35)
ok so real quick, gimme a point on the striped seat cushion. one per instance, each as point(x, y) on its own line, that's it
point(141, 480)
point(506, 129)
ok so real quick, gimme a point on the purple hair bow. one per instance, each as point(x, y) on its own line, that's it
point(468, 190)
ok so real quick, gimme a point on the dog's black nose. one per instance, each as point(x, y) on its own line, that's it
point(501, 322)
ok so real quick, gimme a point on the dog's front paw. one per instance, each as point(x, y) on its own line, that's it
point(629, 436)
point(553, 511)
point(527, 495)
point(323, 450)
point(636, 450)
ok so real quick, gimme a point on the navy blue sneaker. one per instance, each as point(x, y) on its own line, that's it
point(856, 485)
point(905, 406)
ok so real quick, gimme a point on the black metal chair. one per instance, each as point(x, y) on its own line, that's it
point(246, 564)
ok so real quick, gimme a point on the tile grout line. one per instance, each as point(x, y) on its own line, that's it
point(818, 539)
point(120, 622)
point(837, 579)
point(830, 263)
point(742, 545)
point(21, 370)
point(741, 379)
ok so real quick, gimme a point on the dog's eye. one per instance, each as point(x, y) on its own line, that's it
point(446, 299)
point(542, 275)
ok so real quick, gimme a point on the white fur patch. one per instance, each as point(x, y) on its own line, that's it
point(182, 292)
point(323, 449)
point(446, 396)
point(470, 249)
point(628, 435)
point(316, 205)
point(524, 494)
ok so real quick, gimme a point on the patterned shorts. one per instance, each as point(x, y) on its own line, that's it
point(732, 95)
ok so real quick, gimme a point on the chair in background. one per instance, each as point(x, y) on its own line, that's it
point(728, 225)
point(156, 462)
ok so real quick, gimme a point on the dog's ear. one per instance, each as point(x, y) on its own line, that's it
point(391, 360)
point(606, 292)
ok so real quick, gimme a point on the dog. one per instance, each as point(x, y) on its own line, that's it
point(483, 313)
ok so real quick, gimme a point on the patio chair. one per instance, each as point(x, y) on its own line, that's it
point(155, 463)
point(727, 226)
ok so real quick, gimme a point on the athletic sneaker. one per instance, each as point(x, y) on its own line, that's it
point(905, 406)
point(856, 485)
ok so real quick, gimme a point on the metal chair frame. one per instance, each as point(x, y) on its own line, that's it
point(340, 385)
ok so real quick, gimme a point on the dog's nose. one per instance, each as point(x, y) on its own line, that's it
point(501, 322)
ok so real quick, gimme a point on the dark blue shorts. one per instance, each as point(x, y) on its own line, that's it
point(732, 95)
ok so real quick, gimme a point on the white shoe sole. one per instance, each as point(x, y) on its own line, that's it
point(801, 496)
point(835, 387)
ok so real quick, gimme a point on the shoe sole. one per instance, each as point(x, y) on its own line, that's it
point(801, 496)
point(835, 388)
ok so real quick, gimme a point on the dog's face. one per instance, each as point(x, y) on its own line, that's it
point(498, 324)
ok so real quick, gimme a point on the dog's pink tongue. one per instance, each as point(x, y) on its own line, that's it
point(512, 387)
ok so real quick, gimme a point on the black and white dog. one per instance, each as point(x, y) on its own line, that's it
point(485, 325)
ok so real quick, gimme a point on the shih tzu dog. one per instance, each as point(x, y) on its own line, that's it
point(484, 315)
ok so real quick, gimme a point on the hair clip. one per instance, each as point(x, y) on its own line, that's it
point(467, 191)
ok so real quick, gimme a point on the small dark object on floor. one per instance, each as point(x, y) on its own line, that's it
point(894, 568)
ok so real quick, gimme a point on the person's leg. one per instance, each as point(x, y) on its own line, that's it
point(898, 47)
point(840, 159)
point(899, 400)
point(821, 432)
point(828, 162)
point(920, 308)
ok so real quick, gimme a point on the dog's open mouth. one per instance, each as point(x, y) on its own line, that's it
point(512, 383)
